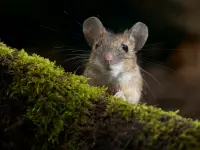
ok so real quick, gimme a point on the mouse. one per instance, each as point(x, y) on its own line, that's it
point(112, 62)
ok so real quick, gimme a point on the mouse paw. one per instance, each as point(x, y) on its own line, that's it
point(120, 94)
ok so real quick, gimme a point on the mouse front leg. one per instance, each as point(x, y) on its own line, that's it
point(120, 94)
point(114, 90)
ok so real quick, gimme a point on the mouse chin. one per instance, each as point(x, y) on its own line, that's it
point(108, 68)
point(115, 69)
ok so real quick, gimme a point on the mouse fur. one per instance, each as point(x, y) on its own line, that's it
point(121, 75)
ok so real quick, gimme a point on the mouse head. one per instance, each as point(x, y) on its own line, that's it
point(110, 50)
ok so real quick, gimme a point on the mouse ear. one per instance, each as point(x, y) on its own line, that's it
point(93, 29)
point(139, 32)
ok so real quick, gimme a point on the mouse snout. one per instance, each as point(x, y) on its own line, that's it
point(108, 56)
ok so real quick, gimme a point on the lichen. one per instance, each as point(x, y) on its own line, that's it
point(66, 113)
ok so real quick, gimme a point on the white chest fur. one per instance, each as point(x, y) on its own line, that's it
point(117, 70)
point(130, 82)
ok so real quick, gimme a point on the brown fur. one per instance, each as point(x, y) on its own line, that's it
point(124, 74)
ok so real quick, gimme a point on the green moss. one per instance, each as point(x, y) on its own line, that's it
point(160, 126)
point(66, 113)
point(5, 50)
point(57, 96)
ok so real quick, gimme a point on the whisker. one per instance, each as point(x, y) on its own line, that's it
point(80, 25)
point(79, 35)
point(172, 49)
point(150, 89)
point(64, 61)
point(48, 28)
point(77, 55)
point(74, 49)
point(150, 76)
point(153, 44)
point(75, 20)
point(181, 49)
point(79, 67)
point(81, 61)
point(156, 63)
point(61, 46)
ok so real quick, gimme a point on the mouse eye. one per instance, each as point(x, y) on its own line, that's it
point(124, 47)
point(98, 45)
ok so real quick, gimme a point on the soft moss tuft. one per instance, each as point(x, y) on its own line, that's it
point(52, 109)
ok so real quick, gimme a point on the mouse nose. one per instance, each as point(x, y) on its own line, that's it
point(108, 56)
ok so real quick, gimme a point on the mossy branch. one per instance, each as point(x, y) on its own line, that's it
point(43, 107)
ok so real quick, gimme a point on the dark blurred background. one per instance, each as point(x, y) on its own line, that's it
point(53, 29)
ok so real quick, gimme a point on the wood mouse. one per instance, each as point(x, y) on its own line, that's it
point(113, 62)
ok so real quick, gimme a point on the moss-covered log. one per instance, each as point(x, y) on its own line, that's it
point(43, 107)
